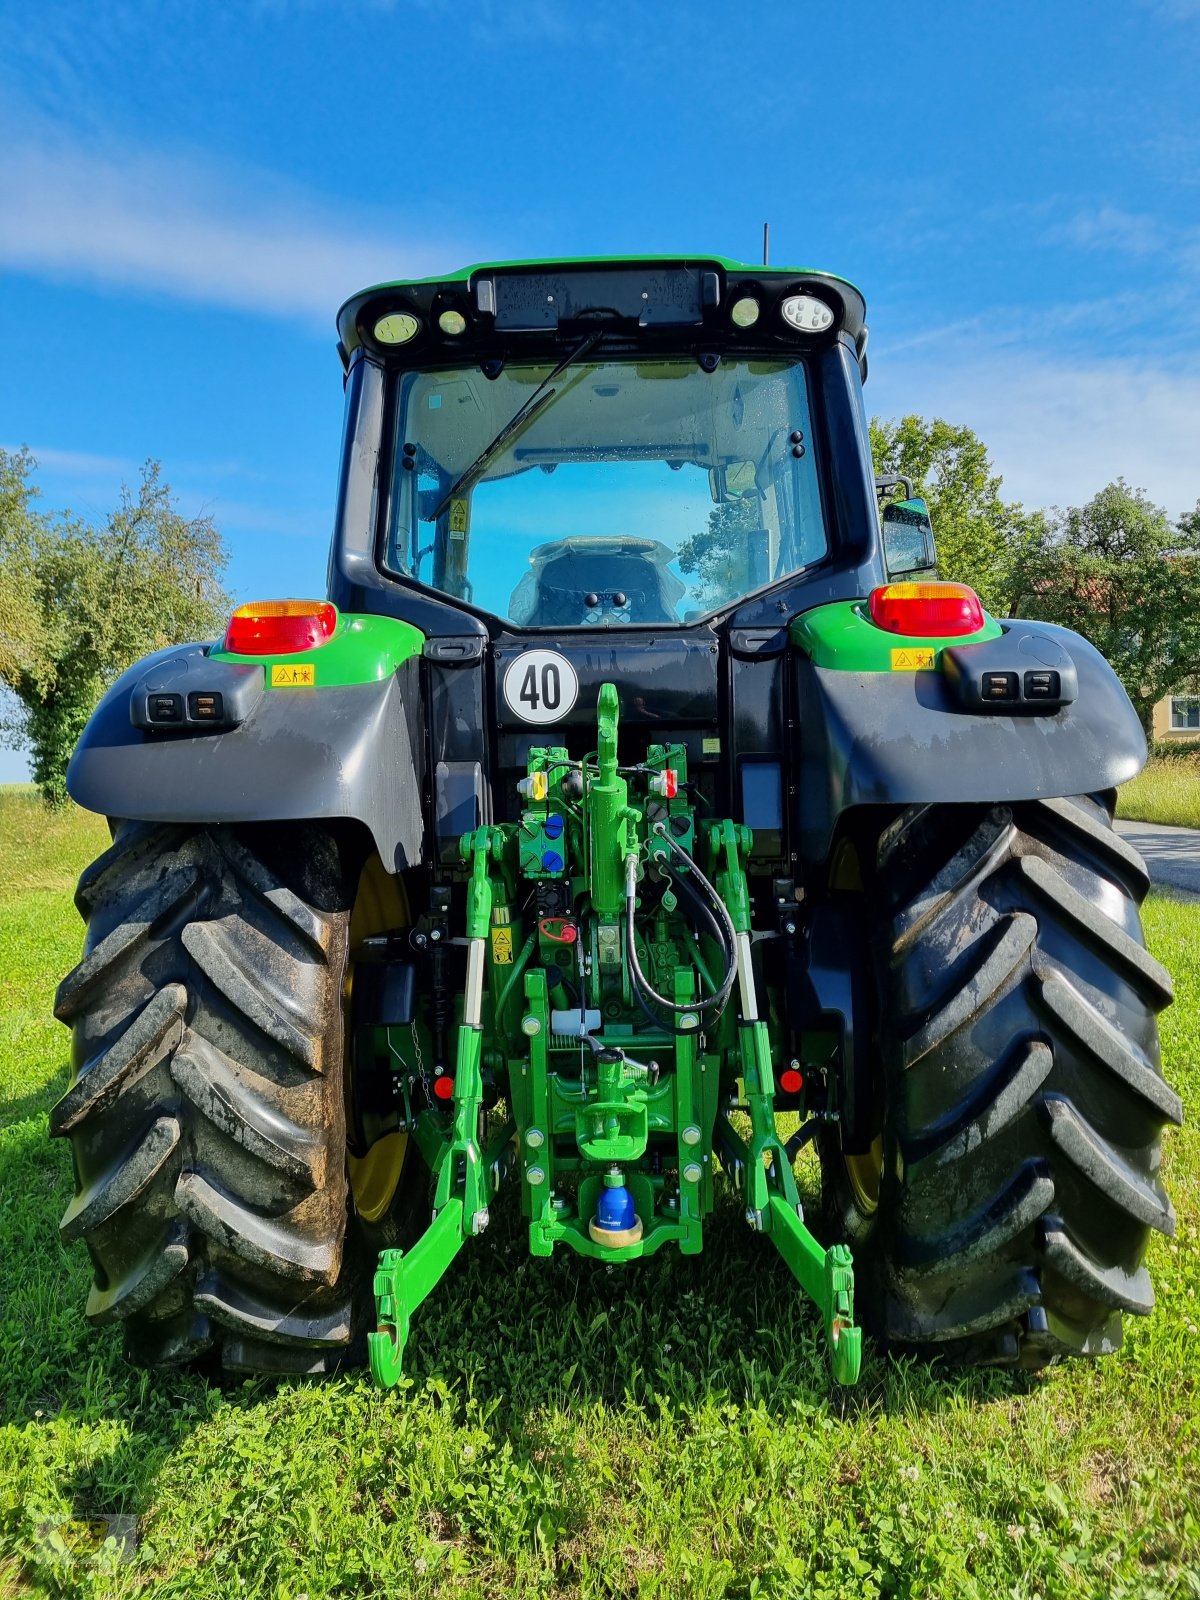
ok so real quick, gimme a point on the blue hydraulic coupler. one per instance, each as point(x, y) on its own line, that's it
point(616, 1223)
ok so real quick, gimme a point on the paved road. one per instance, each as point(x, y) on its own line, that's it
point(1172, 854)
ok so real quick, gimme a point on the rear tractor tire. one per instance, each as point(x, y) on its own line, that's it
point(206, 1113)
point(1004, 1213)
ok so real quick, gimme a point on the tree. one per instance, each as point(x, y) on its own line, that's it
point(83, 603)
point(720, 555)
point(979, 535)
point(1117, 571)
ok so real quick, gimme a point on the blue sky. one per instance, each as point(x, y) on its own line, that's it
point(188, 190)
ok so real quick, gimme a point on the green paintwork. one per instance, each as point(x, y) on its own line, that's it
point(609, 811)
point(842, 635)
point(465, 1178)
point(644, 1109)
point(363, 649)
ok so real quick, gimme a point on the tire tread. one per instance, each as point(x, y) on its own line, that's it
point(1024, 1104)
point(205, 1109)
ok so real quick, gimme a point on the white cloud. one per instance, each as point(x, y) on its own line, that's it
point(78, 463)
point(1058, 427)
point(246, 516)
point(1110, 229)
point(175, 226)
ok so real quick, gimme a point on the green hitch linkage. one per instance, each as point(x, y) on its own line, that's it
point(772, 1199)
point(845, 1340)
point(403, 1279)
point(827, 1277)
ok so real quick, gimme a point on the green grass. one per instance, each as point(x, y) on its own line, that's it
point(662, 1431)
point(1166, 790)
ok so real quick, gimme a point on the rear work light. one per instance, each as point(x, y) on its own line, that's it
point(280, 627)
point(926, 610)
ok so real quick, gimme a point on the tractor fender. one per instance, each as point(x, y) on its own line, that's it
point(914, 738)
point(349, 750)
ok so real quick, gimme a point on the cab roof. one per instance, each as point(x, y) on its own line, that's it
point(516, 301)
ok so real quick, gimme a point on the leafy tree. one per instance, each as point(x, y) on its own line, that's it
point(1189, 527)
point(979, 535)
point(720, 555)
point(82, 603)
point(1117, 571)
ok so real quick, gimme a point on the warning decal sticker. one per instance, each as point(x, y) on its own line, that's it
point(293, 675)
point(914, 659)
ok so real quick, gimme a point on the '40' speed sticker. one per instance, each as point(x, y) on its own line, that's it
point(540, 686)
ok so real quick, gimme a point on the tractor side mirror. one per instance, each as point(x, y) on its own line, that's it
point(908, 546)
point(737, 481)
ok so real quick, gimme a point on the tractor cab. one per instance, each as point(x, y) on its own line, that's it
point(599, 445)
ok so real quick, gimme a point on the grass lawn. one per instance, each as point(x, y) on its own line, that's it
point(567, 1429)
point(1166, 790)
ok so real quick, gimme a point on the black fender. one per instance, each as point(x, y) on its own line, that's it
point(912, 738)
point(300, 754)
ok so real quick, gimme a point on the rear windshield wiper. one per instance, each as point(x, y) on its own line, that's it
point(540, 397)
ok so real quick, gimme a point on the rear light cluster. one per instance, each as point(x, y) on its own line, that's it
point(926, 610)
point(280, 627)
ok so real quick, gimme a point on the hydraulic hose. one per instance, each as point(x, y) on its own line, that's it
point(704, 1003)
point(703, 913)
point(725, 921)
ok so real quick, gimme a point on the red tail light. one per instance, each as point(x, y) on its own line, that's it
point(926, 610)
point(280, 627)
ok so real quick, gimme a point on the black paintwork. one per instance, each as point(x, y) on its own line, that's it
point(302, 753)
point(686, 303)
point(200, 694)
point(903, 738)
point(1025, 669)
point(826, 991)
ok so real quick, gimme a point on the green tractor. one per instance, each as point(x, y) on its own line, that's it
point(637, 809)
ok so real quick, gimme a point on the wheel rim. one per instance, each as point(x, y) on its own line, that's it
point(375, 1176)
point(380, 906)
point(864, 1173)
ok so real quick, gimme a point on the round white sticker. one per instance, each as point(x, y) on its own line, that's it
point(540, 686)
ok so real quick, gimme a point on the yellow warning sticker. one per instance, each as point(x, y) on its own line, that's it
point(913, 659)
point(460, 517)
point(710, 747)
point(502, 949)
point(293, 675)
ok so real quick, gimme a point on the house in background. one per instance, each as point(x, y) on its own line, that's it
point(1177, 716)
